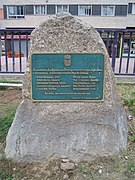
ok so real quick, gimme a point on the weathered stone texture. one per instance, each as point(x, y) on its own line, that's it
point(80, 131)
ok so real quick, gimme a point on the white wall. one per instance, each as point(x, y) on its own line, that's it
point(1, 4)
point(131, 20)
point(95, 21)
point(16, 2)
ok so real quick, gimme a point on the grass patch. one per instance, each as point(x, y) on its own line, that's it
point(6, 120)
point(4, 80)
point(131, 167)
point(127, 93)
point(83, 169)
point(8, 169)
point(130, 104)
point(132, 138)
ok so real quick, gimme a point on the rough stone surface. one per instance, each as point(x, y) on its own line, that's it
point(66, 176)
point(65, 160)
point(67, 166)
point(80, 131)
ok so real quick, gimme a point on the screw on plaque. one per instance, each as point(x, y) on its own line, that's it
point(67, 60)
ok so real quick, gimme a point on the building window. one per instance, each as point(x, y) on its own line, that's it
point(107, 10)
point(15, 12)
point(62, 8)
point(40, 9)
point(133, 8)
point(84, 10)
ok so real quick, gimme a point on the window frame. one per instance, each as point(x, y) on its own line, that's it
point(15, 16)
point(56, 8)
point(102, 9)
point(133, 8)
point(89, 5)
point(45, 8)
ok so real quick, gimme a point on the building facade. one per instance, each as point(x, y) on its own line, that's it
point(99, 14)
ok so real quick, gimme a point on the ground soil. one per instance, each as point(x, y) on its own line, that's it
point(10, 96)
point(120, 167)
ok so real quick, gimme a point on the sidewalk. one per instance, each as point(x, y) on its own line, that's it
point(125, 79)
point(11, 84)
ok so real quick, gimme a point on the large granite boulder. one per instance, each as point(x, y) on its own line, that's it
point(78, 130)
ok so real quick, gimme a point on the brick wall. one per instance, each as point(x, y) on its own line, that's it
point(1, 13)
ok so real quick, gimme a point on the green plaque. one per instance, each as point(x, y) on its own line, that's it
point(67, 77)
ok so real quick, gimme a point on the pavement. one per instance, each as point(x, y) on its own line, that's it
point(11, 84)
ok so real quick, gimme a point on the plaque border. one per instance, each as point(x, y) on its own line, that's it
point(62, 101)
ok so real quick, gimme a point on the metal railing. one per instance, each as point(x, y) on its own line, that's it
point(120, 43)
point(14, 50)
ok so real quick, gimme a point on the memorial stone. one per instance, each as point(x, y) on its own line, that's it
point(70, 104)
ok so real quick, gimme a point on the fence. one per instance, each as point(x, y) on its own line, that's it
point(14, 49)
point(120, 43)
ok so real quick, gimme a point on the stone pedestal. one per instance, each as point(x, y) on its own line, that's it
point(78, 130)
